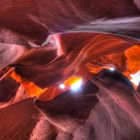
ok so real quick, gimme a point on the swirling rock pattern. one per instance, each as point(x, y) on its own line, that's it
point(44, 43)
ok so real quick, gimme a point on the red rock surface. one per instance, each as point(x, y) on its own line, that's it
point(47, 42)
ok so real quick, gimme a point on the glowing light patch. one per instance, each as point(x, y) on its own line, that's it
point(76, 85)
point(112, 69)
point(62, 86)
point(135, 78)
